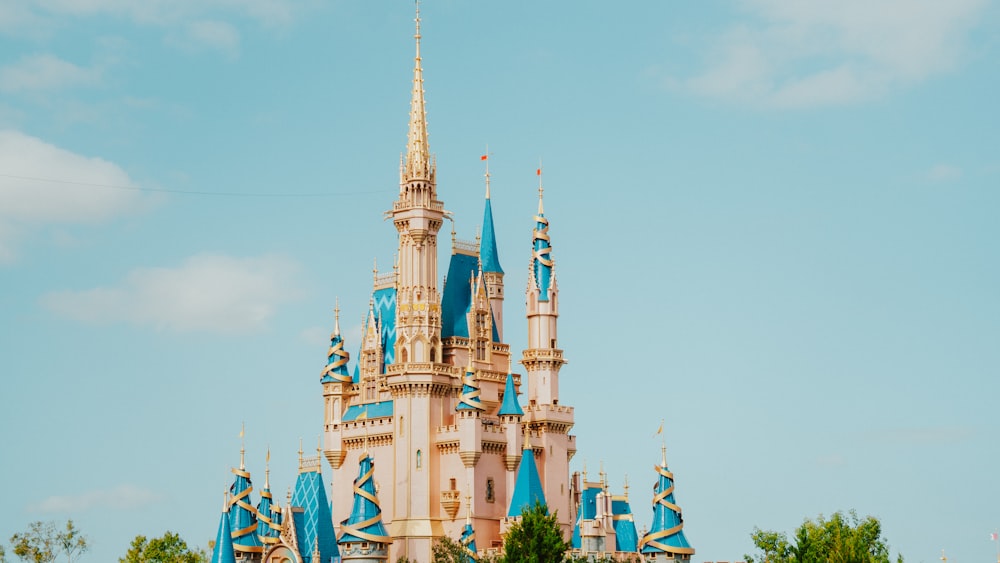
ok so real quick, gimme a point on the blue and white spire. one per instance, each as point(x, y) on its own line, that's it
point(242, 515)
point(468, 537)
point(541, 256)
point(365, 522)
point(336, 362)
point(268, 513)
point(666, 533)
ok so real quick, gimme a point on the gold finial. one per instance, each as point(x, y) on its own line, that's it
point(626, 487)
point(468, 505)
point(510, 365)
point(267, 468)
point(374, 269)
point(541, 190)
point(243, 427)
point(603, 476)
point(943, 556)
point(289, 497)
point(300, 453)
point(225, 501)
point(527, 439)
point(584, 470)
point(336, 318)
point(319, 446)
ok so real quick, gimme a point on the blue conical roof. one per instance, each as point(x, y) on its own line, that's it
point(336, 358)
point(268, 518)
point(223, 550)
point(242, 515)
point(541, 258)
point(469, 399)
point(510, 406)
point(468, 540)
point(666, 534)
point(315, 526)
point(488, 242)
point(365, 522)
point(528, 486)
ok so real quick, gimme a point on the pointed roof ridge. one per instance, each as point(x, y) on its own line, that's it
point(528, 485)
point(365, 522)
point(510, 405)
point(418, 165)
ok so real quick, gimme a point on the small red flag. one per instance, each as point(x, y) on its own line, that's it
point(539, 172)
point(483, 157)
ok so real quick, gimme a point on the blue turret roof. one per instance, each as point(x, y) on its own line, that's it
point(469, 399)
point(626, 538)
point(586, 511)
point(365, 522)
point(314, 525)
point(242, 515)
point(528, 486)
point(336, 358)
point(541, 259)
point(488, 242)
point(666, 533)
point(468, 540)
point(510, 406)
point(268, 517)
point(457, 297)
point(223, 550)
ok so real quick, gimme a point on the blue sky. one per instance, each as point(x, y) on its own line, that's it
point(774, 225)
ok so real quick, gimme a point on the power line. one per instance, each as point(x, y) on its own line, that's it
point(192, 192)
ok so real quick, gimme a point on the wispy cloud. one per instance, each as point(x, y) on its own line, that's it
point(45, 72)
point(122, 497)
point(43, 185)
point(944, 173)
point(207, 293)
point(166, 12)
point(201, 35)
point(791, 54)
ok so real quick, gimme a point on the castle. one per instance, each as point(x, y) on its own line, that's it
point(426, 436)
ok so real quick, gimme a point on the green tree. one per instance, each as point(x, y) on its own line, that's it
point(535, 539)
point(839, 539)
point(43, 541)
point(168, 549)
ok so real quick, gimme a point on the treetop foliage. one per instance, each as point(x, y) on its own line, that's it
point(43, 541)
point(168, 549)
point(839, 539)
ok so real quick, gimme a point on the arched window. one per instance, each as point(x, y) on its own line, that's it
point(420, 459)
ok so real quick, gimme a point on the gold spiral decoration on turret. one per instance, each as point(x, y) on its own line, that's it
point(542, 254)
point(651, 538)
point(355, 529)
point(467, 398)
point(337, 350)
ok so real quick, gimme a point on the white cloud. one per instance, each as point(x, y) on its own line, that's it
point(44, 72)
point(803, 54)
point(165, 12)
point(42, 184)
point(210, 34)
point(210, 293)
point(944, 173)
point(122, 497)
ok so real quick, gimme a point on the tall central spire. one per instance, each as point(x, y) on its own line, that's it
point(418, 165)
